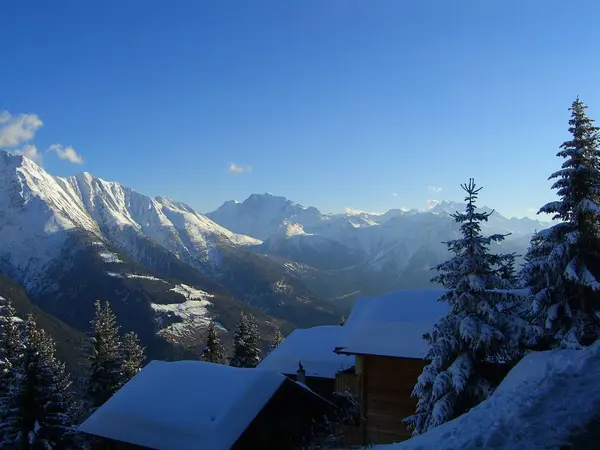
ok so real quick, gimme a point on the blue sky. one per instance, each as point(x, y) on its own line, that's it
point(337, 103)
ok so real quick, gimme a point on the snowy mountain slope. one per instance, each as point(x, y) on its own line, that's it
point(261, 215)
point(163, 309)
point(293, 243)
point(397, 248)
point(69, 342)
point(47, 223)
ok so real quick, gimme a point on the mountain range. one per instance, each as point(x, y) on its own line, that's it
point(168, 269)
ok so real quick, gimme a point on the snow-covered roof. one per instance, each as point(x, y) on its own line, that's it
point(548, 399)
point(314, 348)
point(393, 324)
point(184, 405)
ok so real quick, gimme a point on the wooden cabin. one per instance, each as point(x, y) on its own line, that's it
point(307, 356)
point(385, 335)
point(191, 404)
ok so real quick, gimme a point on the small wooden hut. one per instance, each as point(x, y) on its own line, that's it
point(191, 404)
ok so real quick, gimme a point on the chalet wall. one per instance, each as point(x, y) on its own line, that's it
point(386, 387)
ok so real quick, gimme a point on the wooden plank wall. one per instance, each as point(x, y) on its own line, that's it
point(387, 384)
point(346, 382)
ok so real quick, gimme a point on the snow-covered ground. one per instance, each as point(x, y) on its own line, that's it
point(193, 311)
point(543, 403)
point(109, 257)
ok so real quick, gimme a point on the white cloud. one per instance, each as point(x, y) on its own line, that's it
point(434, 189)
point(20, 129)
point(67, 153)
point(16, 130)
point(394, 194)
point(432, 203)
point(234, 168)
point(31, 152)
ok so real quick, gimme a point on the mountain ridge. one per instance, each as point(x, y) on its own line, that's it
point(51, 227)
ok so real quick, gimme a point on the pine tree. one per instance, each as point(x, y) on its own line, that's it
point(477, 329)
point(132, 358)
point(507, 270)
point(11, 353)
point(246, 351)
point(213, 350)
point(11, 344)
point(277, 339)
point(40, 403)
point(104, 358)
point(562, 269)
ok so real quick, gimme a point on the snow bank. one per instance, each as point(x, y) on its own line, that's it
point(314, 348)
point(546, 400)
point(183, 404)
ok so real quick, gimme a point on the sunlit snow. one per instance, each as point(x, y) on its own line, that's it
point(192, 312)
point(109, 257)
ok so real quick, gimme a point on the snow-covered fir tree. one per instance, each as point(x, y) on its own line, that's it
point(39, 407)
point(133, 357)
point(277, 339)
point(213, 351)
point(11, 343)
point(11, 353)
point(104, 358)
point(246, 346)
point(563, 263)
point(477, 329)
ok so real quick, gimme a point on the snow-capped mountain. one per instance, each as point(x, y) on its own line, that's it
point(82, 236)
point(386, 251)
point(261, 215)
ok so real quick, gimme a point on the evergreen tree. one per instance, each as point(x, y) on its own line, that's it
point(213, 350)
point(246, 351)
point(11, 352)
point(507, 270)
point(40, 404)
point(11, 344)
point(562, 268)
point(477, 329)
point(277, 339)
point(132, 358)
point(104, 358)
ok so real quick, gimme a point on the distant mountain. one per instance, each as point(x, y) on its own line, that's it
point(261, 215)
point(293, 243)
point(365, 253)
point(69, 241)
